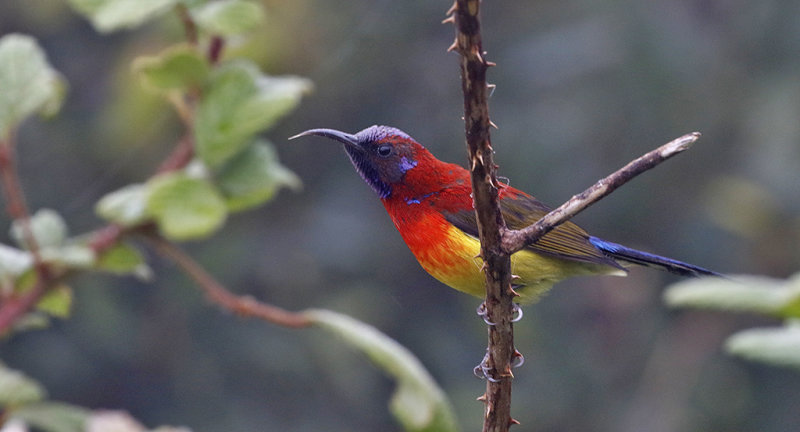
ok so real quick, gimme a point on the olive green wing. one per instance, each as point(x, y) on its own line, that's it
point(566, 241)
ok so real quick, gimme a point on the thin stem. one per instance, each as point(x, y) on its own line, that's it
point(217, 293)
point(514, 240)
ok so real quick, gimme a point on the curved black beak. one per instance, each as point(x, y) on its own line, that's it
point(342, 137)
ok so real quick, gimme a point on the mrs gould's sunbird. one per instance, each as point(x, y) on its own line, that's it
point(430, 203)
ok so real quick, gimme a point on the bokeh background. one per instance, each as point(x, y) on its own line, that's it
point(582, 88)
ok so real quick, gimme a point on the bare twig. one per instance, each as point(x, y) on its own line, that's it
point(217, 293)
point(497, 264)
point(514, 240)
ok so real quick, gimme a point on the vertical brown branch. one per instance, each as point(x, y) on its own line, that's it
point(497, 265)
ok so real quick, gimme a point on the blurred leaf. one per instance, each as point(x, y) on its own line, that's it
point(777, 346)
point(177, 68)
point(418, 403)
point(110, 15)
point(32, 321)
point(17, 389)
point(228, 17)
point(741, 293)
point(29, 84)
point(125, 206)
point(13, 262)
point(253, 176)
point(47, 226)
point(52, 416)
point(75, 256)
point(239, 103)
point(57, 302)
point(14, 425)
point(185, 208)
point(113, 421)
point(122, 259)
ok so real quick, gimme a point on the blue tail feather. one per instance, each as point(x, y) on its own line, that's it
point(634, 256)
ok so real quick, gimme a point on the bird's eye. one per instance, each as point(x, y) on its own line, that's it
point(384, 150)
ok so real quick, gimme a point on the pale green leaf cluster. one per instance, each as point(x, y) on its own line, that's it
point(28, 84)
point(772, 297)
point(418, 403)
point(233, 170)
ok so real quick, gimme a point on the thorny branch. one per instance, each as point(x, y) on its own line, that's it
point(499, 303)
point(497, 242)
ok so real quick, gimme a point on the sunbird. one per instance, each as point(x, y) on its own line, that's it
point(430, 203)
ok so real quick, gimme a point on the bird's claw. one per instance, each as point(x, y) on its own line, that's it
point(483, 313)
point(517, 359)
point(517, 313)
point(483, 371)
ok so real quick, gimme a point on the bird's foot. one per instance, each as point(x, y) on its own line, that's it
point(484, 371)
point(517, 313)
point(483, 313)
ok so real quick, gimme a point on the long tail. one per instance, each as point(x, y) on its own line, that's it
point(634, 256)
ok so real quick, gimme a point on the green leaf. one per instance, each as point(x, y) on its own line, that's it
point(52, 416)
point(418, 403)
point(126, 206)
point(239, 103)
point(121, 259)
point(253, 176)
point(110, 15)
point(17, 389)
point(228, 17)
point(740, 293)
point(47, 226)
point(185, 208)
point(778, 346)
point(56, 302)
point(177, 68)
point(29, 84)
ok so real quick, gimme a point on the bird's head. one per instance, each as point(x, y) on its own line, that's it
point(381, 154)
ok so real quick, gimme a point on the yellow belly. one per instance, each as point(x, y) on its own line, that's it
point(455, 263)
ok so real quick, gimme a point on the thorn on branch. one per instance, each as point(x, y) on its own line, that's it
point(449, 20)
point(452, 9)
point(453, 47)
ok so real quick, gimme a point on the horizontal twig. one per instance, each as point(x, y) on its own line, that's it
point(515, 240)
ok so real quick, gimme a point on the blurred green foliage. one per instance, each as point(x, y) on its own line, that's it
point(582, 87)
